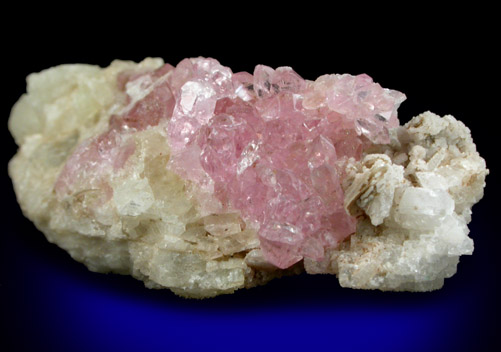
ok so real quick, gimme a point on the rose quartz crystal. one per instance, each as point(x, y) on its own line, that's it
point(269, 145)
point(272, 146)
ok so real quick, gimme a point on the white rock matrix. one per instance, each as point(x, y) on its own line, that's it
point(111, 198)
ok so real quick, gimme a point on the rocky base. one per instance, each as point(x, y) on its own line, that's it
point(127, 211)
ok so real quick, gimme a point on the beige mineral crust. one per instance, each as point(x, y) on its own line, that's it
point(412, 199)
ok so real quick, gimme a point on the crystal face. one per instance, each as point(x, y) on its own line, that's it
point(204, 181)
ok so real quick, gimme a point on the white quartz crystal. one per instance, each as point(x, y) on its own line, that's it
point(413, 199)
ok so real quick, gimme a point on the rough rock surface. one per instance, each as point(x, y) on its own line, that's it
point(111, 168)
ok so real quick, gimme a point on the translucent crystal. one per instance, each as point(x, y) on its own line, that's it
point(272, 158)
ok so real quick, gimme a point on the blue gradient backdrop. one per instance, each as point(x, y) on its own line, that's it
point(50, 302)
point(55, 303)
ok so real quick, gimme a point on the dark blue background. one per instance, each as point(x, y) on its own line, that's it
point(50, 302)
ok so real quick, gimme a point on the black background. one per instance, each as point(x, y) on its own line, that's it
point(444, 62)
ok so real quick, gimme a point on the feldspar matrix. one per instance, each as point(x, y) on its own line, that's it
point(204, 181)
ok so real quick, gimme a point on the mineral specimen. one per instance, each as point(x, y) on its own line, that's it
point(203, 181)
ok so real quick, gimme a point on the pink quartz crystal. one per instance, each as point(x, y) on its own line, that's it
point(270, 145)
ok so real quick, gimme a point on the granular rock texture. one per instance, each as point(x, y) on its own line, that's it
point(204, 181)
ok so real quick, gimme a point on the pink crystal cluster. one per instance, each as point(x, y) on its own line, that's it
point(270, 145)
